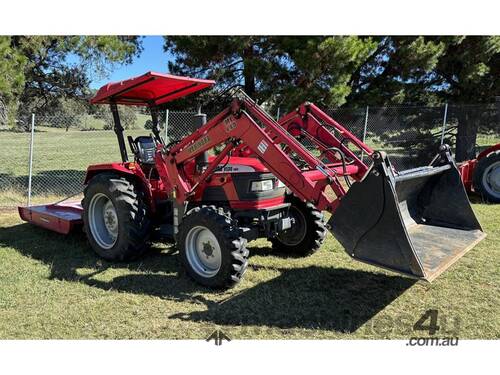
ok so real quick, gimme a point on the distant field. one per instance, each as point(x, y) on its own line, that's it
point(59, 162)
point(61, 157)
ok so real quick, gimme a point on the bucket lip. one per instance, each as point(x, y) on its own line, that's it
point(427, 277)
point(457, 256)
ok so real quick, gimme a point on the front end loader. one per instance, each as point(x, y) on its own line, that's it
point(416, 222)
point(264, 183)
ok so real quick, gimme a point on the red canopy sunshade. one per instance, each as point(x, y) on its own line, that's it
point(149, 89)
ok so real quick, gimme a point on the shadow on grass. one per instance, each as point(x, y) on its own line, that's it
point(70, 258)
point(311, 297)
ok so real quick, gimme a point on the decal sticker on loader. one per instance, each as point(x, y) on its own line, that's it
point(229, 124)
point(198, 144)
point(262, 147)
point(234, 168)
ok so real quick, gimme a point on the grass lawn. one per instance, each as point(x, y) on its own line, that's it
point(52, 286)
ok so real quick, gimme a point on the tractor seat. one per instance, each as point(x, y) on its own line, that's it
point(145, 149)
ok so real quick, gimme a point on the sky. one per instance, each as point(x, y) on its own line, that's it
point(152, 58)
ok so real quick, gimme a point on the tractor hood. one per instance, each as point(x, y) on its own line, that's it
point(241, 165)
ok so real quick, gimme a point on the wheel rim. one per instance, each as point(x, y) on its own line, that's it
point(103, 221)
point(203, 251)
point(491, 179)
point(297, 233)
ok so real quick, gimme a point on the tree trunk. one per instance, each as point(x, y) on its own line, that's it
point(468, 122)
point(248, 73)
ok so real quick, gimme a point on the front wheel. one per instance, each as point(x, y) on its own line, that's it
point(307, 233)
point(211, 248)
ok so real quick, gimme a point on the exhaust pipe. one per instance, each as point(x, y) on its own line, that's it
point(200, 119)
point(416, 222)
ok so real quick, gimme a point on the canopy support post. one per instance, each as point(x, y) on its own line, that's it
point(118, 128)
point(156, 124)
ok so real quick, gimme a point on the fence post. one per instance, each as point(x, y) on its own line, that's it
point(364, 130)
point(278, 114)
point(166, 126)
point(444, 122)
point(30, 171)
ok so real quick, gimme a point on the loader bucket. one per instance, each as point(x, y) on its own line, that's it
point(418, 222)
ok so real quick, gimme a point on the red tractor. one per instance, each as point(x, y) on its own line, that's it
point(263, 184)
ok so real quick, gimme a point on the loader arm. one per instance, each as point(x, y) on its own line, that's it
point(234, 127)
point(415, 222)
point(310, 122)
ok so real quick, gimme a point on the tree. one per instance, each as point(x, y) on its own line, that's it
point(38, 71)
point(430, 71)
point(470, 73)
point(277, 71)
point(128, 117)
point(12, 64)
point(72, 113)
point(397, 72)
point(332, 71)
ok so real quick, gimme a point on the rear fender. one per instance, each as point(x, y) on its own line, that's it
point(488, 151)
point(467, 168)
point(129, 170)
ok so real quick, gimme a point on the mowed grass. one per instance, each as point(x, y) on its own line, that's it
point(53, 286)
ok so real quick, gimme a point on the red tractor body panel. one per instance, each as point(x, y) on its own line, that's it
point(118, 167)
point(223, 179)
point(488, 151)
point(466, 170)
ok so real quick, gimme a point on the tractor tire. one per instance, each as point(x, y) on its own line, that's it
point(486, 179)
point(307, 233)
point(211, 247)
point(116, 217)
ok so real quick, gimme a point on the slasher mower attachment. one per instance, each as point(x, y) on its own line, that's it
point(263, 183)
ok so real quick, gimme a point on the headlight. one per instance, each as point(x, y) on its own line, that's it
point(264, 185)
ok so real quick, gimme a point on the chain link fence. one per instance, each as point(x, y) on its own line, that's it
point(62, 145)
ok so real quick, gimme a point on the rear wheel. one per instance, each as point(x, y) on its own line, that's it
point(211, 248)
point(307, 233)
point(115, 217)
point(486, 178)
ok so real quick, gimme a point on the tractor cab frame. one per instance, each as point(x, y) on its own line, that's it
point(152, 90)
